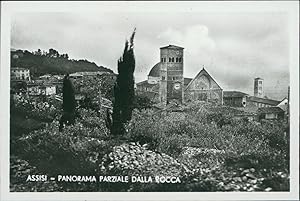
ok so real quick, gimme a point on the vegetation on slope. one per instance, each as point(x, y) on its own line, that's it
point(51, 62)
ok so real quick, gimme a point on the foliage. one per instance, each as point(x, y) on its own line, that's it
point(239, 156)
point(51, 62)
point(69, 103)
point(124, 89)
point(91, 86)
point(19, 170)
point(142, 102)
point(34, 107)
point(76, 145)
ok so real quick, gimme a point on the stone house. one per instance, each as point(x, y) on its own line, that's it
point(235, 98)
point(270, 113)
point(262, 102)
point(17, 74)
point(34, 89)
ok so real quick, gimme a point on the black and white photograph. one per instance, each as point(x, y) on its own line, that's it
point(150, 97)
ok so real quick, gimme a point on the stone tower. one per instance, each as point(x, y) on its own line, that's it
point(259, 87)
point(171, 74)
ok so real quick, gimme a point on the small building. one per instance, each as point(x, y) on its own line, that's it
point(76, 75)
point(91, 73)
point(34, 89)
point(49, 77)
point(235, 98)
point(262, 102)
point(151, 91)
point(283, 104)
point(270, 113)
point(146, 86)
point(46, 76)
point(17, 74)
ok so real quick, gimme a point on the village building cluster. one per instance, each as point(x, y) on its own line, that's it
point(48, 85)
point(166, 84)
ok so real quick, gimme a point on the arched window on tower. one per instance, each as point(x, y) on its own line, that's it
point(179, 59)
point(176, 59)
point(172, 59)
point(162, 59)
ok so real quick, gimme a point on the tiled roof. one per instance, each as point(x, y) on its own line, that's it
point(172, 47)
point(18, 68)
point(269, 110)
point(145, 84)
point(263, 100)
point(187, 81)
point(233, 94)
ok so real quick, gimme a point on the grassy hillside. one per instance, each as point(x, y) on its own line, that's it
point(43, 62)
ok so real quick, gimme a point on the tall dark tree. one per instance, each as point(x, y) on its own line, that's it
point(124, 89)
point(69, 103)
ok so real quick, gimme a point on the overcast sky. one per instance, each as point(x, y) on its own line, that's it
point(234, 47)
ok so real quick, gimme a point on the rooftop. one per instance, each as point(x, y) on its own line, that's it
point(172, 47)
point(187, 81)
point(263, 100)
point(234, 94)
point(18, 68)
point(154, 72)
point(269, 110)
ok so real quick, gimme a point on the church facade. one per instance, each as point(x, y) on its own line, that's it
point(166, 83)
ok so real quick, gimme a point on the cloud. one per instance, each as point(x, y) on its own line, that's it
point(199, 46)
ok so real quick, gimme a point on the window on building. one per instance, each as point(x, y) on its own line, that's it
point(162, 59)
point(176, 59)
point(259, 82)
point(163, 78)
point(179, 59)
point(165, 59)
point(172, 59)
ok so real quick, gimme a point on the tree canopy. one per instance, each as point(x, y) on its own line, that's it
point(51, 62)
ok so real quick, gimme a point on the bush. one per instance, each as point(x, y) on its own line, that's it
point(75, 149)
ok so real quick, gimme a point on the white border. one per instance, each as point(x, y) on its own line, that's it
point(291, 7)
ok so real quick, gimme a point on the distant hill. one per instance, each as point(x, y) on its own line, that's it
point(51, 62)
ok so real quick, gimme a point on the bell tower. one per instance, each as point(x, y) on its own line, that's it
point(259, 87)
point(171, 74)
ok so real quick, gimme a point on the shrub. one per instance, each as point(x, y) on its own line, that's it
point(76, 149)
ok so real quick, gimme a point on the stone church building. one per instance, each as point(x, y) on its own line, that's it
point(166, 83)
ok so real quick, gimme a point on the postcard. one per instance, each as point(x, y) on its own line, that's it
point(163, 100)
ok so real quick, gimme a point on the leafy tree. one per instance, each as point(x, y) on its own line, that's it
point(69, 103)
point(42, 62)
point(142, 102)
point(124, 89)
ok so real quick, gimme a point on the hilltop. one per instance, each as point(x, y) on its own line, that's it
point(51, 62)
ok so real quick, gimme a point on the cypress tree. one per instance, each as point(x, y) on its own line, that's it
point(124, 89)
point(69, 103)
